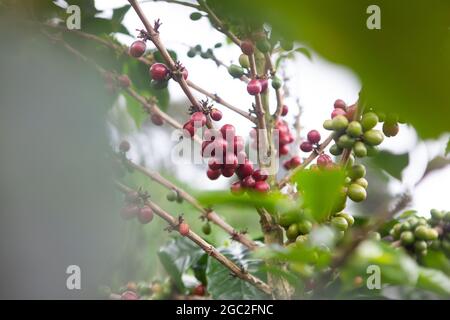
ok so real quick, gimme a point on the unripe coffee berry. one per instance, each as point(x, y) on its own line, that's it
point(357, 171)
point(263, 45)
point(244, 61)
point(236, 71)
point(354, 129)
point(407, 238)
point(356, 192)
point(373, 137)
point(360, 150)
point(390, 129)
point(335, 150)
point(345, 141)
point(137, 48)
point(183, 228)
point(362, 182)
point(206, 228)
point(369, 120)
point(340, 122)
point(339, 223)
point(276, 83)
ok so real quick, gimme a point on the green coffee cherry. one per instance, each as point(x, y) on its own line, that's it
point(191, 53)
point(432, 234)
point(301, 239)
point(373, 137)
point(354, 129)
point(436, 214)
point(420, 246)
point(446, 246)
point(421, 233)
point(360, 149)
point(206, 228)
point(243, 61)
point(348, 217)
point(371, 151)
point(407, 238)
point(422, 221)
point(340, 123)
point(405, 226)
point(395, 231)
point(172, 195)
point(236, 71)
point(304, 227)
point(375, 236)
point(328, 124)
point(340, 223)
point(335, 150)
point(288, 218)
point(345, 141)
point(263, 45)
point(413, 221)
point(356, 192)
point(195, 16)
point(369, 120)
point(276, 83)
point(292, 232)
point(362, 182)
point(357, 171)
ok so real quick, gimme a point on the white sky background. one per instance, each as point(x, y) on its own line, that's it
point(316, 84)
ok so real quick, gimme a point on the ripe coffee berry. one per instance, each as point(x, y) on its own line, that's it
point(324, 160)
point(313, 136)
point(284, 150)
point(260, 175)
point(137, 48)
point(145, 215)
point(228, 130)
point(129, 212)
point(227, 172)
point(214, 164)
point(230, 161)
point(184, 73)
point(183, 228)
point(262, 186)
point(247, 47)
point(213, 174)
point(238, 144)
point(244, 169)
point(199, 290)
point(306, 146)
point(124, 81)
point(198, 117)
point(124, 146)
point(132, 197)
point(254, 87)
point(284, 110)
point(264, 84)
point(156, 119)
point(340, 104)
point(189, 129)
point(295, 162)
point(338, 112)
point(248, 182)
point(159, 71)
point(216, 114)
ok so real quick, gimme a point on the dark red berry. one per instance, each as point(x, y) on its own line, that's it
point(264, 84)
point(124, 81)
point(198, 118)
point(338, 112)
point(183, 228)
point(199, 290)
point(220, 146)
point(287, 164)
point(238, 144)
point(159, 71)
point(340, 104)
point(129, 212)
point(260, 175)
point(189, 129)
point(313, 136)
point(244, 169)
point(205, 153)
point(351, 112)
point(129, 295)
point(248, 182)
point(230, 161)
point(306, 146)
point(241, 156)
point(295, 162)
point(236, 188)
point(254, 87)
point(137, 48)
point(213, 174)
point(216, 114)
point(124, 146)
point(247, 47)
point(262, 186)
point(284, 149)
point(227, 171)
point(324, 160)
point(156, 119)
point(284, 110)
point(228, 131)
point(214, 164)
point(145, 215)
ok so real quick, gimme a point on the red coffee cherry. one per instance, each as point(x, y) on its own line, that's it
point(227, 172)
point(264, 84)
point(306, 146)
point(244, 169)
point(213, 174)
point(324, 160)
point(230, 161)
point(137, 48)
point(295, 162)
point(129, 212)
point(159, 71)
point(132, 197)
point(238, 144)
point(248, 182)
point(199, 290)
point(216, 114)
point(313, 136)
point(189, 129)
point(156, 119)
point(262, 186)
point(247, 47)
point(338, 112)
point(351, 112)
point(284, 110)
point(254, 87)
point(287, 164)
point(340, 104)
point(260, 175)
point(198, 117)
point(214, 164)
point(284, 149)
point(124, 146)
point(184, 73)
point(390, 129)
point(228, 130)
point(183, 228)
point(124, 81)
point(145, 215)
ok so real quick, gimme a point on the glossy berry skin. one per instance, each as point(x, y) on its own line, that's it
point(295, 162)
point(213, 174)
point(159, 71)
point(247, 47)
point(199, 290)
point(124, 81)
point(129, 295)
point(236, 71)
point(227, 172)
point(248, 182)
point(340, 104)
point(351, 112)
point(124, 146)
point(369, 120)
point(189, 129)
point(183, 228)
point(216, 114)
point(206, 228)
point(276, 83)
point(129, 212)
point(137, 48)
point(145, 215)
point(198, 117)
point(215, 164)
point(244, 61)
point(306, 146)
point(254, 87)
point(287, 165)
point(284, 110)
point(261, 186)
point(260, 175)
point(313, 136)
point(228, 130)
point(338, 112)
point(245, 169)
point(373, 137)
point(157, 120)
point(356, 192)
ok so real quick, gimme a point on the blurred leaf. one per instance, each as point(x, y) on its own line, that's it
point(119, 13)
point(305, 52)
point(391, 163)
point(199, 268)
point(434, 280)
point(437, 260)
point(447, 149)
point(223, 286)
point(178, 256)
point(407, 214)
point(320, 190)
point(135, 110)
point(436, 163)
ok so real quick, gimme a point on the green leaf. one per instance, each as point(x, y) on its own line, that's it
point(320, 190)
point(434, 280)
point(305, 52)
point(447, 149)
point(223, 286)
point(437, 260)
point(178, 256)
point(135, 110)
point(391, 163)
point(119, 13)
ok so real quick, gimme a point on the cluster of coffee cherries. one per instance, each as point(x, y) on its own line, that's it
point(285, 138)
point(313, 143)
point(341, 221)
point(297, 227)
point(418, 234)
point(198, 119)
point(156, 290)
point(135, 207)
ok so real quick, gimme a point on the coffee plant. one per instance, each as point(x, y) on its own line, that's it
point(309, 193)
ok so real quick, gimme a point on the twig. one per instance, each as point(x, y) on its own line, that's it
point(206, 212)
point(278, 93)
point(208, 248)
